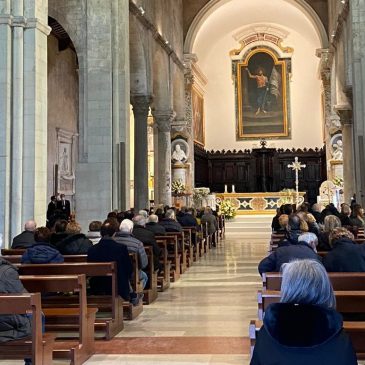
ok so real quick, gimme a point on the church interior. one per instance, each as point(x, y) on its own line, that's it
point(153, 155)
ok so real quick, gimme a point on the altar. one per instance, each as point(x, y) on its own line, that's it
point(260, 203)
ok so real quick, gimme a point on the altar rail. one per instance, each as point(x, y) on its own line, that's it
point(260, 169)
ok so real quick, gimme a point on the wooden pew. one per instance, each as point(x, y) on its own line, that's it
point(182, 251)
point(173, 255)
point(111, 306)
point(151, 292)
point(356, 331)
point(38, 347)
point(340, 280)
point(16, 259)
point(188, 244)
point(347, 302)
point(60, 318)
point(163, 277)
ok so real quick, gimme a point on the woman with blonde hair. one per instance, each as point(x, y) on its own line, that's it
point(330, 223)
point(304, 328)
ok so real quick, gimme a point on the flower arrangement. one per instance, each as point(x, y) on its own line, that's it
point(199, 194)
point(227, 209)
point(177, 187)
point(338, 181)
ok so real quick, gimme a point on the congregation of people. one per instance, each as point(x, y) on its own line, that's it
point(302, 325)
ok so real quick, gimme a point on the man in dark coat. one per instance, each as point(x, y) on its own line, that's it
point(345, 256)
point(64, 206)
point(153, 225)
point(304, 249)
point(12, 326)
point(147, 238)
point(109, 250)
point(52, 207)
point(186, 218)
point(26, 238)
point(170, 223)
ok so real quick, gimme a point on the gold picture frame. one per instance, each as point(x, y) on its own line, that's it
point(262, 97)
point(198, 116)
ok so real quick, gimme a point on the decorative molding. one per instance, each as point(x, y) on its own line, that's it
point(139, 13)
point(23, 22)
point(340, 23)
point(259, 37)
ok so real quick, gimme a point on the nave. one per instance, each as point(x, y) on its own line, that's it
point(202, 319)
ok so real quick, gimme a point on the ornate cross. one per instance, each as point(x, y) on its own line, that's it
point(297, 166)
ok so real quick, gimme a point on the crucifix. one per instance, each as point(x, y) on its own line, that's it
point(297, 166)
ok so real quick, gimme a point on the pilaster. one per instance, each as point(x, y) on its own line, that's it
point(163, 120)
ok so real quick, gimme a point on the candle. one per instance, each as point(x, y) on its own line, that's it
point(225, 189)
point(233, 189)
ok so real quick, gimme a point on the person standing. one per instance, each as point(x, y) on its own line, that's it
point(64, 206)
point(262, 88)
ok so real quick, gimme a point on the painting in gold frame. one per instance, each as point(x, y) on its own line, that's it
point(262, 89)
point(198, 116)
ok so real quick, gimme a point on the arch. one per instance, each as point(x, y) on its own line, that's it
point(213, 5)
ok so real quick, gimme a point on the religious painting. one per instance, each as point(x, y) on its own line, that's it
point(198, 117)
point(262, 83)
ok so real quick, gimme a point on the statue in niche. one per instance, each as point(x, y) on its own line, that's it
point(178, 155)
point(337, 147)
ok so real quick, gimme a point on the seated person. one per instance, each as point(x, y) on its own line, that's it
point(345, 215)
point(316, 212)
point(75, 243)
point(125, 237)
point(186, 217)
point(294, 229)
point(59, 232)
point(209, 218)
point(147, 238)
point(94, 232)
point(346, 255)
point(108, 250)
point(275, 226)
point(42, 252)
point(304, 249)
point(170, 223)
point(304, 328)
point(26, 238)
point(330, 223)
point(153, 225)
point(358, 217)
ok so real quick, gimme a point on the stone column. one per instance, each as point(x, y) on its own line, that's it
point(357, 35)
point(163, 120)
point(34, 202)
point(348, 155)
point(141, 106)
point(5, 116)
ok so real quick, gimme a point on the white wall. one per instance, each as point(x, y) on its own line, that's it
point(212, 46)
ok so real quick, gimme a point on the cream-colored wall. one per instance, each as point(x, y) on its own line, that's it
point(212, 46)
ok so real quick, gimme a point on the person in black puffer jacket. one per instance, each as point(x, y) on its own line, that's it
point(76, 243)
point(305, 327)
point(42, 252)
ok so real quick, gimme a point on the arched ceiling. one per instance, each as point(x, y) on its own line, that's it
point(192, 8)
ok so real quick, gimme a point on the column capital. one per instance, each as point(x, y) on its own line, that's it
point(163, 119)
point(141, 103)
point(344, 111)
point(325, 65)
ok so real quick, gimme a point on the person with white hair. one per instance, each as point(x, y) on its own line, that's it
point(170, 223)
point(143, 213)
point(304, 328)
point(26, 238)
point(147, 238)
point(125, 237)
point(153, 225)
point(286, 252)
